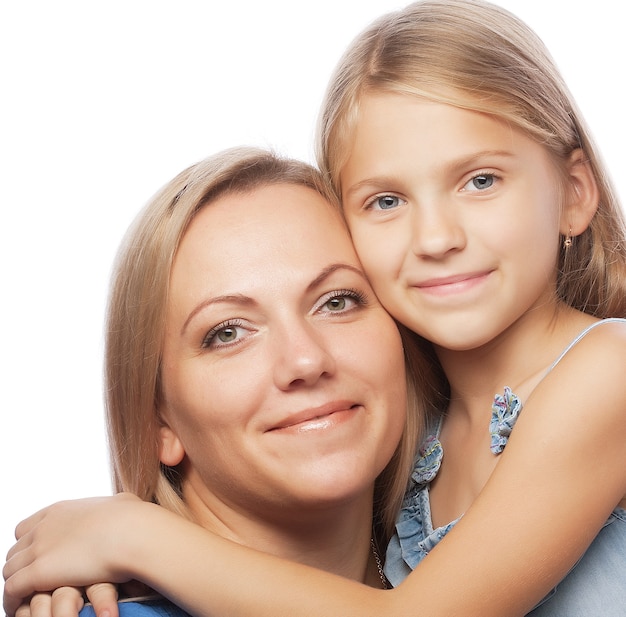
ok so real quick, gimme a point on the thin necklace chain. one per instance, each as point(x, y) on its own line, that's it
point(379, 565)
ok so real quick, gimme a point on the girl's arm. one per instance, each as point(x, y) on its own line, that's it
point(560, 477)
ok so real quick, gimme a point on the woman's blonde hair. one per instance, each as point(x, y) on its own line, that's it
point(478, 56)
point(136, 323)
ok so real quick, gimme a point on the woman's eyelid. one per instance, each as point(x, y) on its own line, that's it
point(210, 337)
point(358, 297)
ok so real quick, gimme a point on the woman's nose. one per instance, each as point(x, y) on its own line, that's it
point(436, 230)
point(302, 357)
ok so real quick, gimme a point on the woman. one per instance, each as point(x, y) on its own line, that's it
point(456, 147)
point(254, 383)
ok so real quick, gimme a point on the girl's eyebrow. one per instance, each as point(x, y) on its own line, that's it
point(475, 157)
point(448, 166)
point(244, 300)
point(384, 180)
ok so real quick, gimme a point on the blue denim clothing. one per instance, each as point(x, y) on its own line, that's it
point(597, 583)
point(157, 607)
point(595, 586)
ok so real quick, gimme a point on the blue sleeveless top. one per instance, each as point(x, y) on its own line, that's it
point(595, 586)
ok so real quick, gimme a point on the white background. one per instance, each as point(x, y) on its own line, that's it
point(103, 102)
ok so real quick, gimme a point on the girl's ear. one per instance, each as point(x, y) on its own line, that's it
point(171, 450)
point(582, 195)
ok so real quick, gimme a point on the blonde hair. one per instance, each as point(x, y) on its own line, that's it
point(136, 323)
point(478, 56)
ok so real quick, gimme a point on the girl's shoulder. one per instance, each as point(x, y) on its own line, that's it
point(604, 339)
point(583, 391)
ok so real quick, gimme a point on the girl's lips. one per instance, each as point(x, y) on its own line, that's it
point(453, 284)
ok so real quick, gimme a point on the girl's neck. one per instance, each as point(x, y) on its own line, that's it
point(517, 358)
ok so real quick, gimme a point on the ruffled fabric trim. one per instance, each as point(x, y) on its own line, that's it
point(504, 413)
point(428, 461)
point(415, 534)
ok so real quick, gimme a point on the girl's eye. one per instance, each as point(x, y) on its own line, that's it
point(480, 182)
point(383, 202)
point(341, 301)
point(224, 334)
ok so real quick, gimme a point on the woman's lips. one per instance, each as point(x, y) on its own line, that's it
point(316, 418)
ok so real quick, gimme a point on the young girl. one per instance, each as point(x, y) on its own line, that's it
point(482, 215)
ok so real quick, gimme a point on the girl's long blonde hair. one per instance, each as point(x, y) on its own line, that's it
point(478, 56)
point(136, 323)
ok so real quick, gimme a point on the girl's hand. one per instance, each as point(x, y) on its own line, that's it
point(76, 543)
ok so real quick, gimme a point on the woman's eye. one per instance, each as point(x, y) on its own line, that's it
point(227, 335)
point(223, 335)
point(383, 202)
point(480, 182)
point(341, 301)
point(337, 304)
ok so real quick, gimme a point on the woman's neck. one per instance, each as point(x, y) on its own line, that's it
point(336, 539)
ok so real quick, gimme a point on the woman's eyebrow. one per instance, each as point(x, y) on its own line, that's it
point(326, 272)
point(244, 300)
point(240, 299)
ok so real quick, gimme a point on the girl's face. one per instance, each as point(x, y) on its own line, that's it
point(283, 377)
point(455, 217)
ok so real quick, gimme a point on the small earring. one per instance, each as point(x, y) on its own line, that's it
point(568, 240)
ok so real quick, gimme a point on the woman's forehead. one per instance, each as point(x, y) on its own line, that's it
point(271, 213)
point(270, 234)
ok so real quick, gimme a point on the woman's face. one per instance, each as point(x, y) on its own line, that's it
point(283, 377)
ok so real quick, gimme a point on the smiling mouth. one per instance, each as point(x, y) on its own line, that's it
point(315, 419)
point(453, 284)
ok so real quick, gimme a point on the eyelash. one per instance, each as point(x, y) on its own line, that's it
point(369, 203)
point(209, 340)
point(483, 174)
point(354, 294)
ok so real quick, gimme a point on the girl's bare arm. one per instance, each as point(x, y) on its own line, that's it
point(526, 529)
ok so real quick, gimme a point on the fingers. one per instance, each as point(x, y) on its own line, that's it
point(66, 602)
point(63, 602)
point(16, 593)
point(20, 544)
point(28, 523)
point(18, 557)
point(103, 597)
point(16, 587)
point(23, 610)
point(40, 605)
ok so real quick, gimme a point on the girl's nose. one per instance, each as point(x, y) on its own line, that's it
point(302, 357)
point(436, 230)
